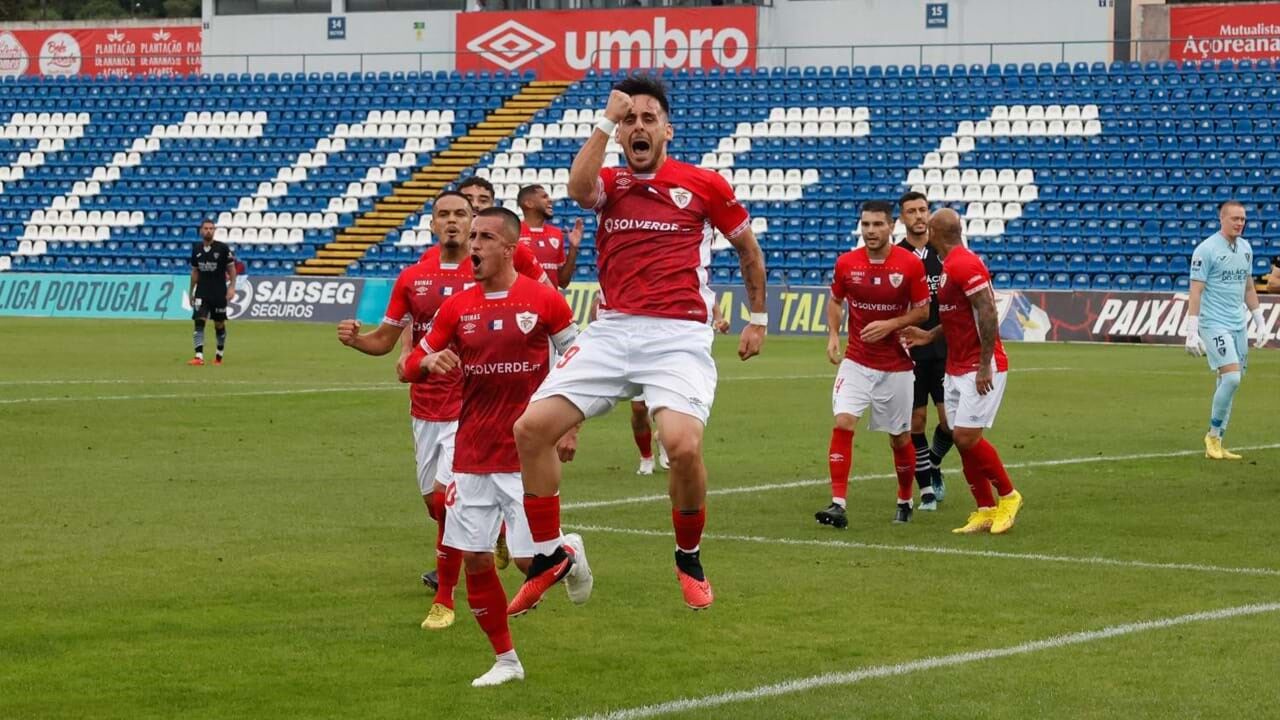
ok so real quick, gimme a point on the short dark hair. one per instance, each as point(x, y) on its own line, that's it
point(645, 85)
point(510, 219)
point(448, 193)
point(525, 192)
point(910, 196)
point(878, 206)
point(476, 181)
point(207, 221)
point(1228, 203)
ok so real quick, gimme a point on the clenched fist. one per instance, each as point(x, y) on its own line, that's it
point(348, 331)
point(618, 107)
point(441, 362)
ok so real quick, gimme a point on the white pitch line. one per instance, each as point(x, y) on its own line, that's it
point(205, 396)
point(635, 499)
point(203, 383)
point(934, 550)
point(931, 663)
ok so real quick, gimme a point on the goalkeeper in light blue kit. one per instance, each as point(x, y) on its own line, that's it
point(1217, 324)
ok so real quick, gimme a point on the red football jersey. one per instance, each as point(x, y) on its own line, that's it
point(547, 244)
point(964, 274)
point(879, 290)
point(415, 298)
point(654, 238)
point(502, 341)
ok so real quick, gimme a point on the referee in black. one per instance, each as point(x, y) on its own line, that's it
point(213, 285)
point(930, 360)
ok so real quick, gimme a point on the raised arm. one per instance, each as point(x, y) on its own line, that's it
point(584, 175)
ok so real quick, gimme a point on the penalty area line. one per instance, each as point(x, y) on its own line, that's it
point(859, 675)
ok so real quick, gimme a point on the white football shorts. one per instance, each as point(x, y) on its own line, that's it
point(890, 396)
point(477, 507)
point(665, 362)
point(433, 449)
point(965, 407)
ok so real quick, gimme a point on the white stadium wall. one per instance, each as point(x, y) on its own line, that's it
point(300, 42)
point(1040, 26)
point(1030, 31)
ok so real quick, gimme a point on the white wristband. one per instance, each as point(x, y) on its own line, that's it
point(761, 319)
point(1193, 325)
point(606, 126)
point(1259, 321)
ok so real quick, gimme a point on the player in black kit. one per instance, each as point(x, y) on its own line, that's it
point(213, 285)
point(930, 360)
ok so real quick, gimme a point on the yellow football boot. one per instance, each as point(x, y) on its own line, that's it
point(501, 553)
point(1214, 451)
point(439, 617)
point(979, 521)
point(1006, 513)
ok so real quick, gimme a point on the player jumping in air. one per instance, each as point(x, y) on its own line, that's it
point(547, 241)
point(930, 360)
point(1217, 325)
point(497, 332)
point(213, 285)
point(976, 372)
point(885, 288)
point(653, 335)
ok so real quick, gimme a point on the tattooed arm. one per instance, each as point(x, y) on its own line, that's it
point(984, 307)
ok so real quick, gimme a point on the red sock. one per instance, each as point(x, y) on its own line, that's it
point(976, 476)
point(993, 467)
point(644, 441)
point(488, 603)
point(904, 464)
point(840, 461)
point(448, 567)
point(688, 527)
point(544, 517)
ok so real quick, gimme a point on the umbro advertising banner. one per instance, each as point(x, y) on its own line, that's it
point(1027, 316)
point(162, 50)
point(564, 44)
point(164, 297)
point(1221, 32)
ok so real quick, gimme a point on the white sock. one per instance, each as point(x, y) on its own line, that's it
point(509, 657)
point(548, 547)
point(838, 501)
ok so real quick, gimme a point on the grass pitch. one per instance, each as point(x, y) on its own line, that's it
point(245, 541)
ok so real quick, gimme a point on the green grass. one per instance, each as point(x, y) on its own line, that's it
point(245, 541)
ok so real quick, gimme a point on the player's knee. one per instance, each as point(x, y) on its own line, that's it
point(897, 441)
point(917, 420)
point(966, 438)
point(1231, 380)
point(684, 450)
point(199, 323)
point(477, 562)
point(844, 421)
point(220, 324)
point(522, 564)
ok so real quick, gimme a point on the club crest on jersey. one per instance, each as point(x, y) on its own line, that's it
point(526, 321)
point(895, 279)
point(681, 197)
point(555, 242)
point(942, 281)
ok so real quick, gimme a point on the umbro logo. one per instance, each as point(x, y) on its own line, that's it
point(511, 45)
